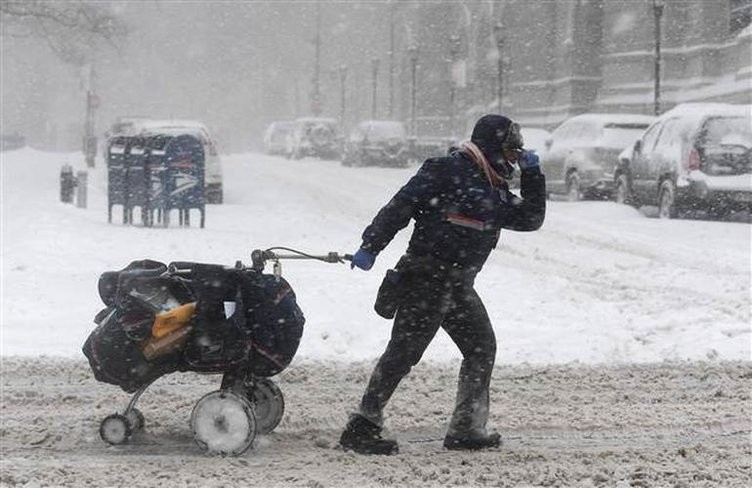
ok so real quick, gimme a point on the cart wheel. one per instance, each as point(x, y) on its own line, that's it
point(115, 429)
point(268, 404)
point(224, 423)
point(135, 419)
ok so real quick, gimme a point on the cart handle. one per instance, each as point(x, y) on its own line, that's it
point(260, 257)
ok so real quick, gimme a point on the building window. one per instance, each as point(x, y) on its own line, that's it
point(740, 14)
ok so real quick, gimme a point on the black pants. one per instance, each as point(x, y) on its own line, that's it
point(438, 296)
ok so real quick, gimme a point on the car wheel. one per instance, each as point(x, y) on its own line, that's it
point(622, 194)
point(667, 201)
point(574, 192)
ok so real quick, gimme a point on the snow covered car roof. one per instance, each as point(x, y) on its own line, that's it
point(699, 111)
point(316, 120)
point(617, 118)
point(692, 115)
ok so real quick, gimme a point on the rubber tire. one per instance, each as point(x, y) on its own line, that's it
point(574, 193)
point(135, 420)
point(667, 201)
point(115, 429)
point(231, 400)
point(622, 193)
point(268, 404)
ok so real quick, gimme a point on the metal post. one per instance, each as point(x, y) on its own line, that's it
point(375, 73)
point(498, 34)
point(81, 188)
point(454, 44)
point(342, 79)
point(658, 6)
point(391, 59)
point(413, 52)
point(316, 95)
point(92, 102)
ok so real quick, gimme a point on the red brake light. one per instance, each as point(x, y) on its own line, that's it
point(693, 163)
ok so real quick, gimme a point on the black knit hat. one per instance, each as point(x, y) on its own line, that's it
point(493, 132)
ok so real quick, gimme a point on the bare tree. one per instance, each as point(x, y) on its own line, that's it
point(71, 28)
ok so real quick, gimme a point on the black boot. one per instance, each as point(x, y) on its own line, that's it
point(364, 437)
point(473, 442)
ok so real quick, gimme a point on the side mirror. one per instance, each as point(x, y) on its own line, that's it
point(637, 146)
point(549, 141)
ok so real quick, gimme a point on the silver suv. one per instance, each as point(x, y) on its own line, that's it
point(583, 153)
point(696, 156)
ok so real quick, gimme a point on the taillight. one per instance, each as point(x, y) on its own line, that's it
point(693, 162)
point(212, 149)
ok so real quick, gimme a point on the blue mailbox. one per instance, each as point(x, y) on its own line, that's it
point(116, 188)
point(184, 178)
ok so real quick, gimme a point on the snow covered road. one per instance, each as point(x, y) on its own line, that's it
point(675, 424)
point(598, 283)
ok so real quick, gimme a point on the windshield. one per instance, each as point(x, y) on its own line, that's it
point(619, 136)
point(380, 131)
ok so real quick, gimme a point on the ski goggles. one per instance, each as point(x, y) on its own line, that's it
point(513, 140)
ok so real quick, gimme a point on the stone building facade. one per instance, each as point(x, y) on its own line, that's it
point(563, 58)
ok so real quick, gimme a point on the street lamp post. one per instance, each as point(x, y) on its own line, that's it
point(413, 52)
point(391, 59)
point(454, 48)
point(658, 6)
point(342, 79)
point(375, 74)
point(499, 36)
point(316, 89)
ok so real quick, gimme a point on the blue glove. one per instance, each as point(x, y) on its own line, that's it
point(528, 160)
point(363, 260)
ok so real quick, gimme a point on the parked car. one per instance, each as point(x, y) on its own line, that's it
point(377, 142)
point(213, 187)
point(695, 156)
point(276, 135)
point(583, 153)
point(11, 141)
point(432, 137)
point(315, 136)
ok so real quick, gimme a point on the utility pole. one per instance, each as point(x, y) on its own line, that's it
point(413, 53)
point(454, 49)
point(342, 79)
point(375, 74)
point(499, 36)
point(316, 95)
point(391, 59)
point(658, 6)
point(92, 103)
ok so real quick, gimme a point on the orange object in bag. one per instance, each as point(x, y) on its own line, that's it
point(172, 320)
point(169, 331)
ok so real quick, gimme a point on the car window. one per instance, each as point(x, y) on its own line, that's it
point(649, 138)
point(716, 128)
point(588, 132)
point(669, 135)
point(619, 136)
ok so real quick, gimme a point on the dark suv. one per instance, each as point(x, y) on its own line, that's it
point(377, 142)
point(694, 157)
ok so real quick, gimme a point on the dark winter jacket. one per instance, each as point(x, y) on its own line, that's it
point(458, 214)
